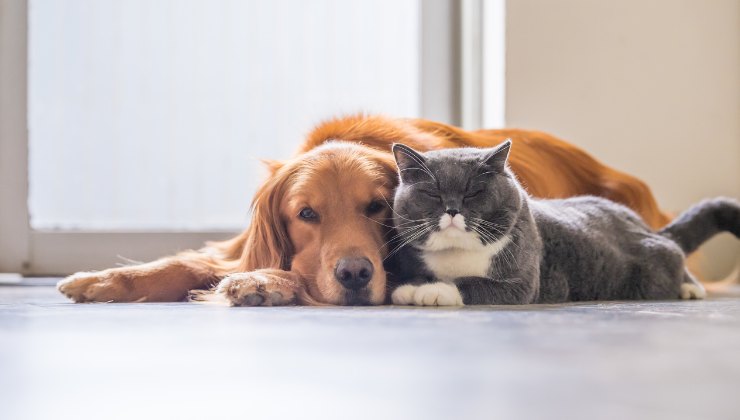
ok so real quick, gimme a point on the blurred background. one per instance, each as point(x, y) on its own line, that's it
point(134, 128)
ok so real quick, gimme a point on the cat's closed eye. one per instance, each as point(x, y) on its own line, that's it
point(431, 194)
point(474, 194)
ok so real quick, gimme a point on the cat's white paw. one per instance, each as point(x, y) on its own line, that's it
point(437, 294)
point(692, 291)
point(404, 295)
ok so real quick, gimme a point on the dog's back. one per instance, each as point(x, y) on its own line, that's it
point(547, 166)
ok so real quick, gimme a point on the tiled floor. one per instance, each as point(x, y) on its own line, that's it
point(672, 360)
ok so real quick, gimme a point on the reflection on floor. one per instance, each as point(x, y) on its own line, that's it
point(611, 360)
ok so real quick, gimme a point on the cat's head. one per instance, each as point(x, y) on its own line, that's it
point(455, 198)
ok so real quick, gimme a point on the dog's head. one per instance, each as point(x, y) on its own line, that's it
point(326, 216)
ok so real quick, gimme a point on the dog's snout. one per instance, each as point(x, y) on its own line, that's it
point(354, 273)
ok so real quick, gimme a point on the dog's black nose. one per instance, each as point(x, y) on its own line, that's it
point(354, 273)
point(452, 212)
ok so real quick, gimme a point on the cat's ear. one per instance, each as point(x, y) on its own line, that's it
point(498, 156)
point(408, 160)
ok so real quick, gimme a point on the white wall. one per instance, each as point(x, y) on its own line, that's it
point(651, 87)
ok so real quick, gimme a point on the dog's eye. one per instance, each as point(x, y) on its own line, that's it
point(307, 213)
point(374, 207)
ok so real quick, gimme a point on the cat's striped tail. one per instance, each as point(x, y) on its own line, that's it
point(702, 221)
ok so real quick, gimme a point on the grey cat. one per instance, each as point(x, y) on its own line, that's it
point(470, 234)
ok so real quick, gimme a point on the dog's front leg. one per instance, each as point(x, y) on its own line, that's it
point(266, 287)
point(165, 280)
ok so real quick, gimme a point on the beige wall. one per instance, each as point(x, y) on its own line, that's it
point(651, 87)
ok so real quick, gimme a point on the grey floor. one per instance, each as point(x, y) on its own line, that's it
point(612, 360)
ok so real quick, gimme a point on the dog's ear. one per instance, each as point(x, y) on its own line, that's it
point(498, 156)
point(410, 162)
point(267, 242)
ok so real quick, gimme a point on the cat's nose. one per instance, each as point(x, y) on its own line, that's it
point(452, 212)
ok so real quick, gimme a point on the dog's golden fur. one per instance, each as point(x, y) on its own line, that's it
point(343, 166)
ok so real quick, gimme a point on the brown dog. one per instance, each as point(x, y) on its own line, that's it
point(319, 227)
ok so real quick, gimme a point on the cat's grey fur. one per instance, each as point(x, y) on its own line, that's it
point(538, 251)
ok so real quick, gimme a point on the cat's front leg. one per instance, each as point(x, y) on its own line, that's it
point(487, 291)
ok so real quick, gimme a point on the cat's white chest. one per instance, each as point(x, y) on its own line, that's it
point(450, 256)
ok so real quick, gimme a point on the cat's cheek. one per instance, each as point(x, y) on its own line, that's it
point(438, 294)
point(404, 295)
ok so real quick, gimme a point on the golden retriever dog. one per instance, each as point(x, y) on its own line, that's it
point(320, 222)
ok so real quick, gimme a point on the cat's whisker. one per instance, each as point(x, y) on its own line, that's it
point(480, 230)
point(479, 226)
point(492, 238)
point(483, 221)
point(392, 227)
point(516, 260)
point(488, 223)
point(412, 230)
point(486, 227)
point(399, 225)
point(397, 230)
point(409, 240)
point(409, 231)
point(402, 235)
point(375, 221)
point(506, 253)
point(476, 228)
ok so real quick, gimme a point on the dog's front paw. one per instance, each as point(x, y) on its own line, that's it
point(256, 288)
point(89, 287)
point(432, 294)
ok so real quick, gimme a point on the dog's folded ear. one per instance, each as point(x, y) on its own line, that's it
point(267, 244)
